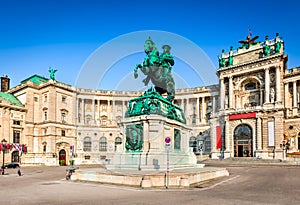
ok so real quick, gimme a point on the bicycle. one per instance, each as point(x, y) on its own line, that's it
point(69, 172)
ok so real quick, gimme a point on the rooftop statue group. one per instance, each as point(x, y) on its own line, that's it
point(157, 68)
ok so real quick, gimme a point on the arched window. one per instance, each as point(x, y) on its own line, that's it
point(103, 144)
point(87, 144)
point(242, 132)
point(250, 86)
point(118, 141)
point(44, 147)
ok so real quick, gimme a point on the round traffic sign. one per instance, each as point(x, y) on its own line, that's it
point(167, 140)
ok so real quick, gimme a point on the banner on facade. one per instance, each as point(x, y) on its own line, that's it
point(219, 136)
point(242, 116)
point(271, 136)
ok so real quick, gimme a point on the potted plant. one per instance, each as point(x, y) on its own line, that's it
point(71, 162)
point(62, 162)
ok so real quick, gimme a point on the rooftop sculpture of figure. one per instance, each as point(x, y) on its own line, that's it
point(266, 49)
point(158, 68)
point(52, 73)
point(277, 44)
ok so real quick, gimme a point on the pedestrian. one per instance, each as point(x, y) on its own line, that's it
point(19, 171)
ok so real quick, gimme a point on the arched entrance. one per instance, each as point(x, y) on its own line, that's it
point(243, 141)
point(15, 156)
point(62, 157)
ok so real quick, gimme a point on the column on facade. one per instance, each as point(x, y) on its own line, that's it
point(197, 111)
point(261, 101)
point(188, 108)
point(98, 104)
point(278, 93)
point(258, 134)
point(202, 108)
point(82, 111)
point(93, 111)
point(111, 112)
point(295, 94)
point(286, 98)
point(267, 85)
point(181, 103)
point(77, 110)
point(230, 97)
point(222, 93)
point(229, 147)
point(123, 108)
point(213, 104)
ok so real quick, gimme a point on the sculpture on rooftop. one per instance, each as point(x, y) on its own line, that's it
point(52, 73)
point(249, 41)
point(158, 69)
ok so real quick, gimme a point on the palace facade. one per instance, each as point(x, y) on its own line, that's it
point(252, 112)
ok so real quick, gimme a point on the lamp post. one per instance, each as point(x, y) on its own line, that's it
point(283, 145)
point(3, 153)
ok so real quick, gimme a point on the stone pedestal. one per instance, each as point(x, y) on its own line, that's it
point(152, 152)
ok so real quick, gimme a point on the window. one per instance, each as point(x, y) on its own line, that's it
point(104, 122)
point(63, 99)
point(87, 144)
point(45, 115)
point(193, 142)
point(298, 142)
point(104, 107)
point(177, 139)
point(45, 98)
point(118, 141)
point(63, 116)
point(194, 119)
point(63, 132)
point(103, 144)
point(44, 147)
point(16, 122)
point(250, 86)
point(16, 136)
point(35, 99)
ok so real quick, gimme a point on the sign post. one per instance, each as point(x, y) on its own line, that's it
point(168, 144)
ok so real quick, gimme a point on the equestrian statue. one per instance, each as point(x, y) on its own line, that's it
point(158, 69)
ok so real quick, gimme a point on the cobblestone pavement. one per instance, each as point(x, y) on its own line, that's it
point(245, 185)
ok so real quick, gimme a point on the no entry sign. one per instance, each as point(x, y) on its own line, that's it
point(167, 140)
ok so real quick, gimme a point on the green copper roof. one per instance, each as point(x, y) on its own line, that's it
point(35, 79)
point(10, 98)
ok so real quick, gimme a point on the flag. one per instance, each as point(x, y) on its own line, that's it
point(250, 32)
point(219, 136)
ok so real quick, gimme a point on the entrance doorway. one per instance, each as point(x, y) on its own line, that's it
point(15, 156)
point(243, 141)
point(62, 157)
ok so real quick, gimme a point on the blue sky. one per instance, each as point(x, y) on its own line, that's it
point(63, 34)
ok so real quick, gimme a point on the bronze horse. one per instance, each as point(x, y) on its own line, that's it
point(157, 68)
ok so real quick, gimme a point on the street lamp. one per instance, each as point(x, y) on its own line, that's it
point(284, 146)
point(3, 152)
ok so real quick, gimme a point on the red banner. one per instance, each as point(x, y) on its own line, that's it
point(242, 116)
point(219, 136)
